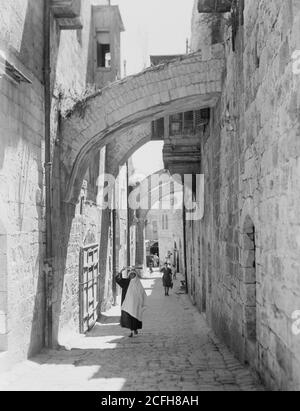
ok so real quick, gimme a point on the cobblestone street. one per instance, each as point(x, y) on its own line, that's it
point(176, 351)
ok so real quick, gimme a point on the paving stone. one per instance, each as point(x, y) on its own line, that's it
point(106, 359)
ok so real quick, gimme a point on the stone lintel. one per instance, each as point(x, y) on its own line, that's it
point(66, 8)
point(214, 6)
point(69, 23)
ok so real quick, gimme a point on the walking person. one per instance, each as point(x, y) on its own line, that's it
point(151, 264)
point(167, 278)
point(156, 261)
point(133, 302)
point(174, 272)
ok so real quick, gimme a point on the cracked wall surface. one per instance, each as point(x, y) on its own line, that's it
point(251, 163)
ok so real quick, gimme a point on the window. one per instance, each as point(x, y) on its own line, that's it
point(154, 227)
point(158, 129)
point(237, 16)
point(176, 124)
point(165, 222)
point(103, 50)
point(202, 118)
point(189, 122)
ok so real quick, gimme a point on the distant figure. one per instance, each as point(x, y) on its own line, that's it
point(133, 302)
point(151, 267)
point(156, 260)
point(167, 278)
point(151, 263)
point(174, 272)
point(168, 257)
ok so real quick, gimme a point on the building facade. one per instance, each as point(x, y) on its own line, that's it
point(244, 253)
point(82, 34)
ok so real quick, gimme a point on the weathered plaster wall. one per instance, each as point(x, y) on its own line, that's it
point(251, 166)
point(21, 175)
point(209, 29)
point(21, 181)
point(171, 233)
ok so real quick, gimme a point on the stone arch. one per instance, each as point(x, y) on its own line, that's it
point(149, 195)
point(119, 150)
point(194, 81)
point(3, 288)
point(156, 187)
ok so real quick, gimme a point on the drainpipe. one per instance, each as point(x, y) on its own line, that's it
point(48, 173)
point(115, 268)
point(184, 240)
point(128, 217)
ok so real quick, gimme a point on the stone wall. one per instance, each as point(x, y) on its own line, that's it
point(22, 226)
point(168, 233)
point(82, 223)
point(21, 181)
point(248, 240)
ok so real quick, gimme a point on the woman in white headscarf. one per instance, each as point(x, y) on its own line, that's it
point(133, 302)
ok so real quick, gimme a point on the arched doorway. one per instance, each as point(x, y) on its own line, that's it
point(249, 268)
point(154, 249)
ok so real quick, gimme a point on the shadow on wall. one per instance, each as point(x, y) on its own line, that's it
point(37, 337)
point(30, 47)
point(21, 134)
point(67, 241)
point(31, 51)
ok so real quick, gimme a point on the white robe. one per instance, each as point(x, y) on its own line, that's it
point(135, 300)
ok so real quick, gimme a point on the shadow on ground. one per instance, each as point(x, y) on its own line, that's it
point(174, 352)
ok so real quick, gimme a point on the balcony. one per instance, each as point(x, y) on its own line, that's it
point(67, 13)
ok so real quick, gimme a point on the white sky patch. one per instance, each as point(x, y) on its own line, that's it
point(153, 27)
point(147, 160)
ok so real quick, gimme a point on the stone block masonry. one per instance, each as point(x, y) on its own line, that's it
point(176, 351)
point(22, 189)
point(246, 277)
point(22, 183)
point(128, 103)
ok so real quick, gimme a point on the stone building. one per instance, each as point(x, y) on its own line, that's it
point(229, 110)
point(21, 178)
point(165, 228)
point(84, 56)
point(245, 252)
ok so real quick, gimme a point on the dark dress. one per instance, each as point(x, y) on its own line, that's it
point(167, 277)
point(127, 321)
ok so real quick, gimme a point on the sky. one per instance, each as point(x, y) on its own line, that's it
point(153, 27)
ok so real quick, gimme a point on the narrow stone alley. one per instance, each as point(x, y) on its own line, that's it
point(176, 351)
